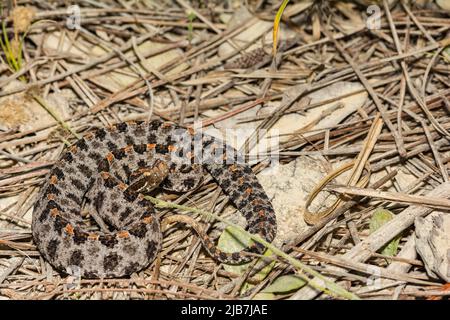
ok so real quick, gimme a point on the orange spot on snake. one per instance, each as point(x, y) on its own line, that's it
point(256, 202)
point(171, 148)
point(74, 149)
point(123, 234)
point(53, 179)
point(147, 220)
point(248, 191)
point(122, 186)
point(162, 166)
point(105, 175)
point(89, 136)
point(128, 149)
point(140, 196)
point(69, 229)
point(54, 212)
point(241, 181)
point(261, 213)
point(51, 196)
point(93, 237)
point(110, 157)
point(232, 168)
point(151, 146)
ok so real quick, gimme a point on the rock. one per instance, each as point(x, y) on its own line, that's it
point(433, 244)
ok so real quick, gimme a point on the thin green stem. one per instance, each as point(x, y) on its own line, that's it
point(43, 104)
point(8, 50)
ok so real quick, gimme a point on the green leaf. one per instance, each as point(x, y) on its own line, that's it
point(379, 218)
point(285, 283)
point(447, 50)
point(262, 274)
point(264, 296)
point(191, 17)
point(232, 240)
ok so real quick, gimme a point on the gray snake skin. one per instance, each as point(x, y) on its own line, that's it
point(110, 169)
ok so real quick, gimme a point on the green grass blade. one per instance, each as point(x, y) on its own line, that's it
point(276, 26)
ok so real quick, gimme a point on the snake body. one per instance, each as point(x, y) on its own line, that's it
point(109, 169)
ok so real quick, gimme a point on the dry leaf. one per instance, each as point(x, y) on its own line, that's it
point(444, 4)
point(22, 17)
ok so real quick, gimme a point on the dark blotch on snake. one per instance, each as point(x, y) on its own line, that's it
point(109, 241)
point(52, 247)
point(111, 261)
point(76, 258)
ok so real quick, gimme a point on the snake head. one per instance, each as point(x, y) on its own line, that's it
point(145, 180)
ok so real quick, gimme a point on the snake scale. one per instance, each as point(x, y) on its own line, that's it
point(109, 170)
